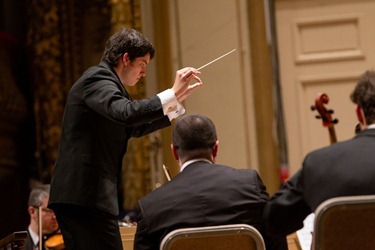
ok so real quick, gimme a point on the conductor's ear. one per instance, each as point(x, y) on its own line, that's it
point(125, 58)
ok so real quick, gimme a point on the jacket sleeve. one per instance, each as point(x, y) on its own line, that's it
point(143, 240)
point(286, 210)
point(106, 98)
point(148, 128)
point(271, 242)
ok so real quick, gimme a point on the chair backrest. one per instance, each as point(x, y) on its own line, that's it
point(345, 223)
point(234, 236)
point(14, 241)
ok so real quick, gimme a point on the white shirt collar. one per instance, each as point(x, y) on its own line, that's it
point(371, 126)
point(192, 161)
point(34, 236)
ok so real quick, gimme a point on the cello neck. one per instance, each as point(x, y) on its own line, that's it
point(332, 134)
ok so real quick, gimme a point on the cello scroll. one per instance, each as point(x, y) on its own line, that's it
point(325, 114)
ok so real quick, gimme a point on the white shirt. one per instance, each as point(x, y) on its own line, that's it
point(34, 236)
point(192, 161)
point(171, 107)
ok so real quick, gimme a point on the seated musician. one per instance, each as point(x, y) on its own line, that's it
point(341, 169)
point(203, 193)
point(39, 198)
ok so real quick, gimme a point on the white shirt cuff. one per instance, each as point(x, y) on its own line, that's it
point(171, 107)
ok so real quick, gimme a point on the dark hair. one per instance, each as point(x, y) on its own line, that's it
point(38, 194)
point(364, 95)
point(127, 41)
point(194, 133)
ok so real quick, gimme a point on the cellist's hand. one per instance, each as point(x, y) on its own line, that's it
point(181, 87)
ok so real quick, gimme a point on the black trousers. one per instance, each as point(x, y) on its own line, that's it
point(87, 228)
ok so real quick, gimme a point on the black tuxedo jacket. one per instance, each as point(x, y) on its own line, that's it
point(29, 243)
point(203, 194)
point(99, 119)
point(342, 169)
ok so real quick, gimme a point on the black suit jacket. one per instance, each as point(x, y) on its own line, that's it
point(342, 169)
point(29, 243)
point(99, 119)
point(203, 194)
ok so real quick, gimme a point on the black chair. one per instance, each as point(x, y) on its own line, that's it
point(14, 241)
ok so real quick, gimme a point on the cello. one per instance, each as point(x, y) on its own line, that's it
point(55, 242)
point(325, 115)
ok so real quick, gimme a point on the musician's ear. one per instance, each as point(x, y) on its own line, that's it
point(361, 115)
point(174, 151)
point(215, 148)
point(32, 212)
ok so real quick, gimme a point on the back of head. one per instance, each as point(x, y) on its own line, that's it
point(38, 194)
point(364, 95)
point(127, 41)
point(194, 135)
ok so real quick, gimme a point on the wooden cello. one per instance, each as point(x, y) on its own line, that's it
point(55, 242)
point(325, 114)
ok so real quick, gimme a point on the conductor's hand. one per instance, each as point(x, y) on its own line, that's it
point(181, 87)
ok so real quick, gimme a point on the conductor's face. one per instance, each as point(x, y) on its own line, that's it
point(134, 70)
